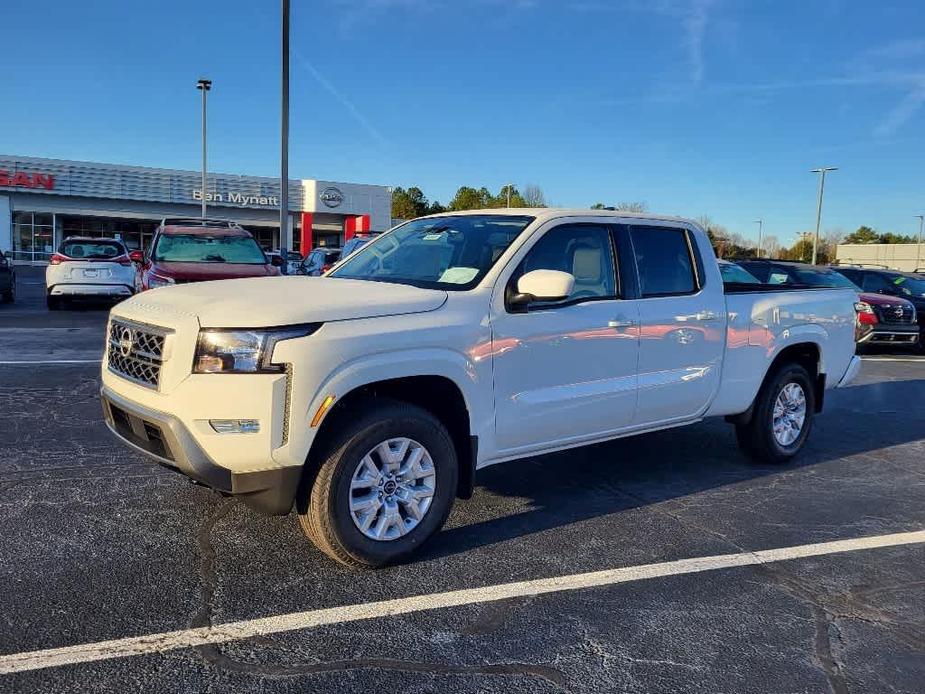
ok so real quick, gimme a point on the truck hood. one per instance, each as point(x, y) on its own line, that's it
point(882, 299)
point(199, 272)
point(279, 301)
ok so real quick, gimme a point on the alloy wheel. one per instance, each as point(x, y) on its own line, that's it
point(789, 414)
point(392, 489)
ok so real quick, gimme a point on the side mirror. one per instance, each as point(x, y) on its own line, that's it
point(543, 285)
point(276, 261)
point(136, 257)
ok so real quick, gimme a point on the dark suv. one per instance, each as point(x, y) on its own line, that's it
point(880, 319)
point(905, 285)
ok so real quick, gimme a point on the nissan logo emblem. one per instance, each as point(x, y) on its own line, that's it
point(126, 342)
point(331, 197)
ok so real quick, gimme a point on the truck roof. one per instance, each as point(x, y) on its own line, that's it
point(546, 213)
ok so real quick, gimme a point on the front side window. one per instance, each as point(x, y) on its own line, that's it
point(663, 257)
point(875, 283)
point(582, 250)
point(198, 248)
point(451, 252)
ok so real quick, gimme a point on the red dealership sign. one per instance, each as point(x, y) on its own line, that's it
point(21, 179)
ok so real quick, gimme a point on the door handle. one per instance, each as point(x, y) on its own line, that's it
point(704, 315)
point(621, 323)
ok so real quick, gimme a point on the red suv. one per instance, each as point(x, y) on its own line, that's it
point(196, 250)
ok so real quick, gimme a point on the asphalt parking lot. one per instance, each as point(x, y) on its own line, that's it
point(99, 544)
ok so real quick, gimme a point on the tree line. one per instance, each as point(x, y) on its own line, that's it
point(411, 203)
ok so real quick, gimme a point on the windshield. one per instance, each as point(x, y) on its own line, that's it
point(736, 274)
point(452, 253)
point(92, 250)
point(196, 248)
point(909, 286)
point(824, 278)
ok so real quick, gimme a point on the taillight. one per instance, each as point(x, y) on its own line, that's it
point(56, 259)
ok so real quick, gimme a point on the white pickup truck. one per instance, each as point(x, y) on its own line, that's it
point(368, 398)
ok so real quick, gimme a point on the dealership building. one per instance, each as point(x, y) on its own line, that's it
point(43, 201)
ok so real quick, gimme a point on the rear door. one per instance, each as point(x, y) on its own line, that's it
point(682, 336)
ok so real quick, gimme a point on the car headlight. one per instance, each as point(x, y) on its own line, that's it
point(243, 351)
point(864, 307)
point(155, 281)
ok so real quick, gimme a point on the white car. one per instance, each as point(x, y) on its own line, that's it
point(89, 268)
point(368, 398)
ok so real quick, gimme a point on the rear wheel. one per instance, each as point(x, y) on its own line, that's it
point(782, 417)
point(384, 487)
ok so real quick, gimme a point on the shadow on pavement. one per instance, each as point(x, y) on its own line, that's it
point(584, 483)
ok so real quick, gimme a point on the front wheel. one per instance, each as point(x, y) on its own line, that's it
point(782, 418)
point(384, 487)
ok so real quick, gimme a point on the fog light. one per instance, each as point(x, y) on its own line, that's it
point(235, 426)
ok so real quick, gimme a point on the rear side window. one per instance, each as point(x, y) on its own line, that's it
point(91, 250)
point(663, 256)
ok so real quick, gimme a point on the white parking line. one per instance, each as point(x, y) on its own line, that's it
point(51, 361)
point(245, 629)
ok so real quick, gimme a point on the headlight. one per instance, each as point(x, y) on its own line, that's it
point(155, 281)
point(863, 307)
point(243, 351)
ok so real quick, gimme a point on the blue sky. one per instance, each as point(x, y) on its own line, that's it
point(717, 107)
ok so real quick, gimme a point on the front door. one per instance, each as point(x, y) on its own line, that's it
point(566, 371)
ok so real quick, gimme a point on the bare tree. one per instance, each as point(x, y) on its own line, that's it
point(770, 247)
point(533, 196)
point(632, 207)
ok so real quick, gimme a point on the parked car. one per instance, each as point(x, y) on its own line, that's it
point(88, 268)
point(319, 261)
point(732, 273)
point(455, 342)
point(7, 279)
point(293, 260)
point(195, 250)
point(355, 243)
point(879, 319)
point(892, 283)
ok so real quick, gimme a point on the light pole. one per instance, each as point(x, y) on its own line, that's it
point(760, 223)
point(823, 171)
point(918, 245)
point(509, 186)
point(284, 140)
point(204, 86)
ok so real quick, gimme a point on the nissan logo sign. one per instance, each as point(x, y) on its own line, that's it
point(332, 197)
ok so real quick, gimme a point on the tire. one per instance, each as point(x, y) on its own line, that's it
point(757, 438)
point(325, 503)
point(53, 303)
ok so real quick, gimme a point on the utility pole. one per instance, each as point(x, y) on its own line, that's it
point(760, 223)
point(284, 140)
point(823, 171)
point(509, 186)
point(918, 246)
point(204, 86)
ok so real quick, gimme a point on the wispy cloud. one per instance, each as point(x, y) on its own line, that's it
point(361, 120)
point(695, 30)
point(881, 60)
point(903, 112)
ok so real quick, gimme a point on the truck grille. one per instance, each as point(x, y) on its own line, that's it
point(896, 315)
point(136, 351)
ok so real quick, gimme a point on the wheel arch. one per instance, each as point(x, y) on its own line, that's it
point(438, 394)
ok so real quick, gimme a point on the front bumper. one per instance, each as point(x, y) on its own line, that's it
point(164, 439)
point(892, 334)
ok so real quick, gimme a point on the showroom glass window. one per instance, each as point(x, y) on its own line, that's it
point(33, 236)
